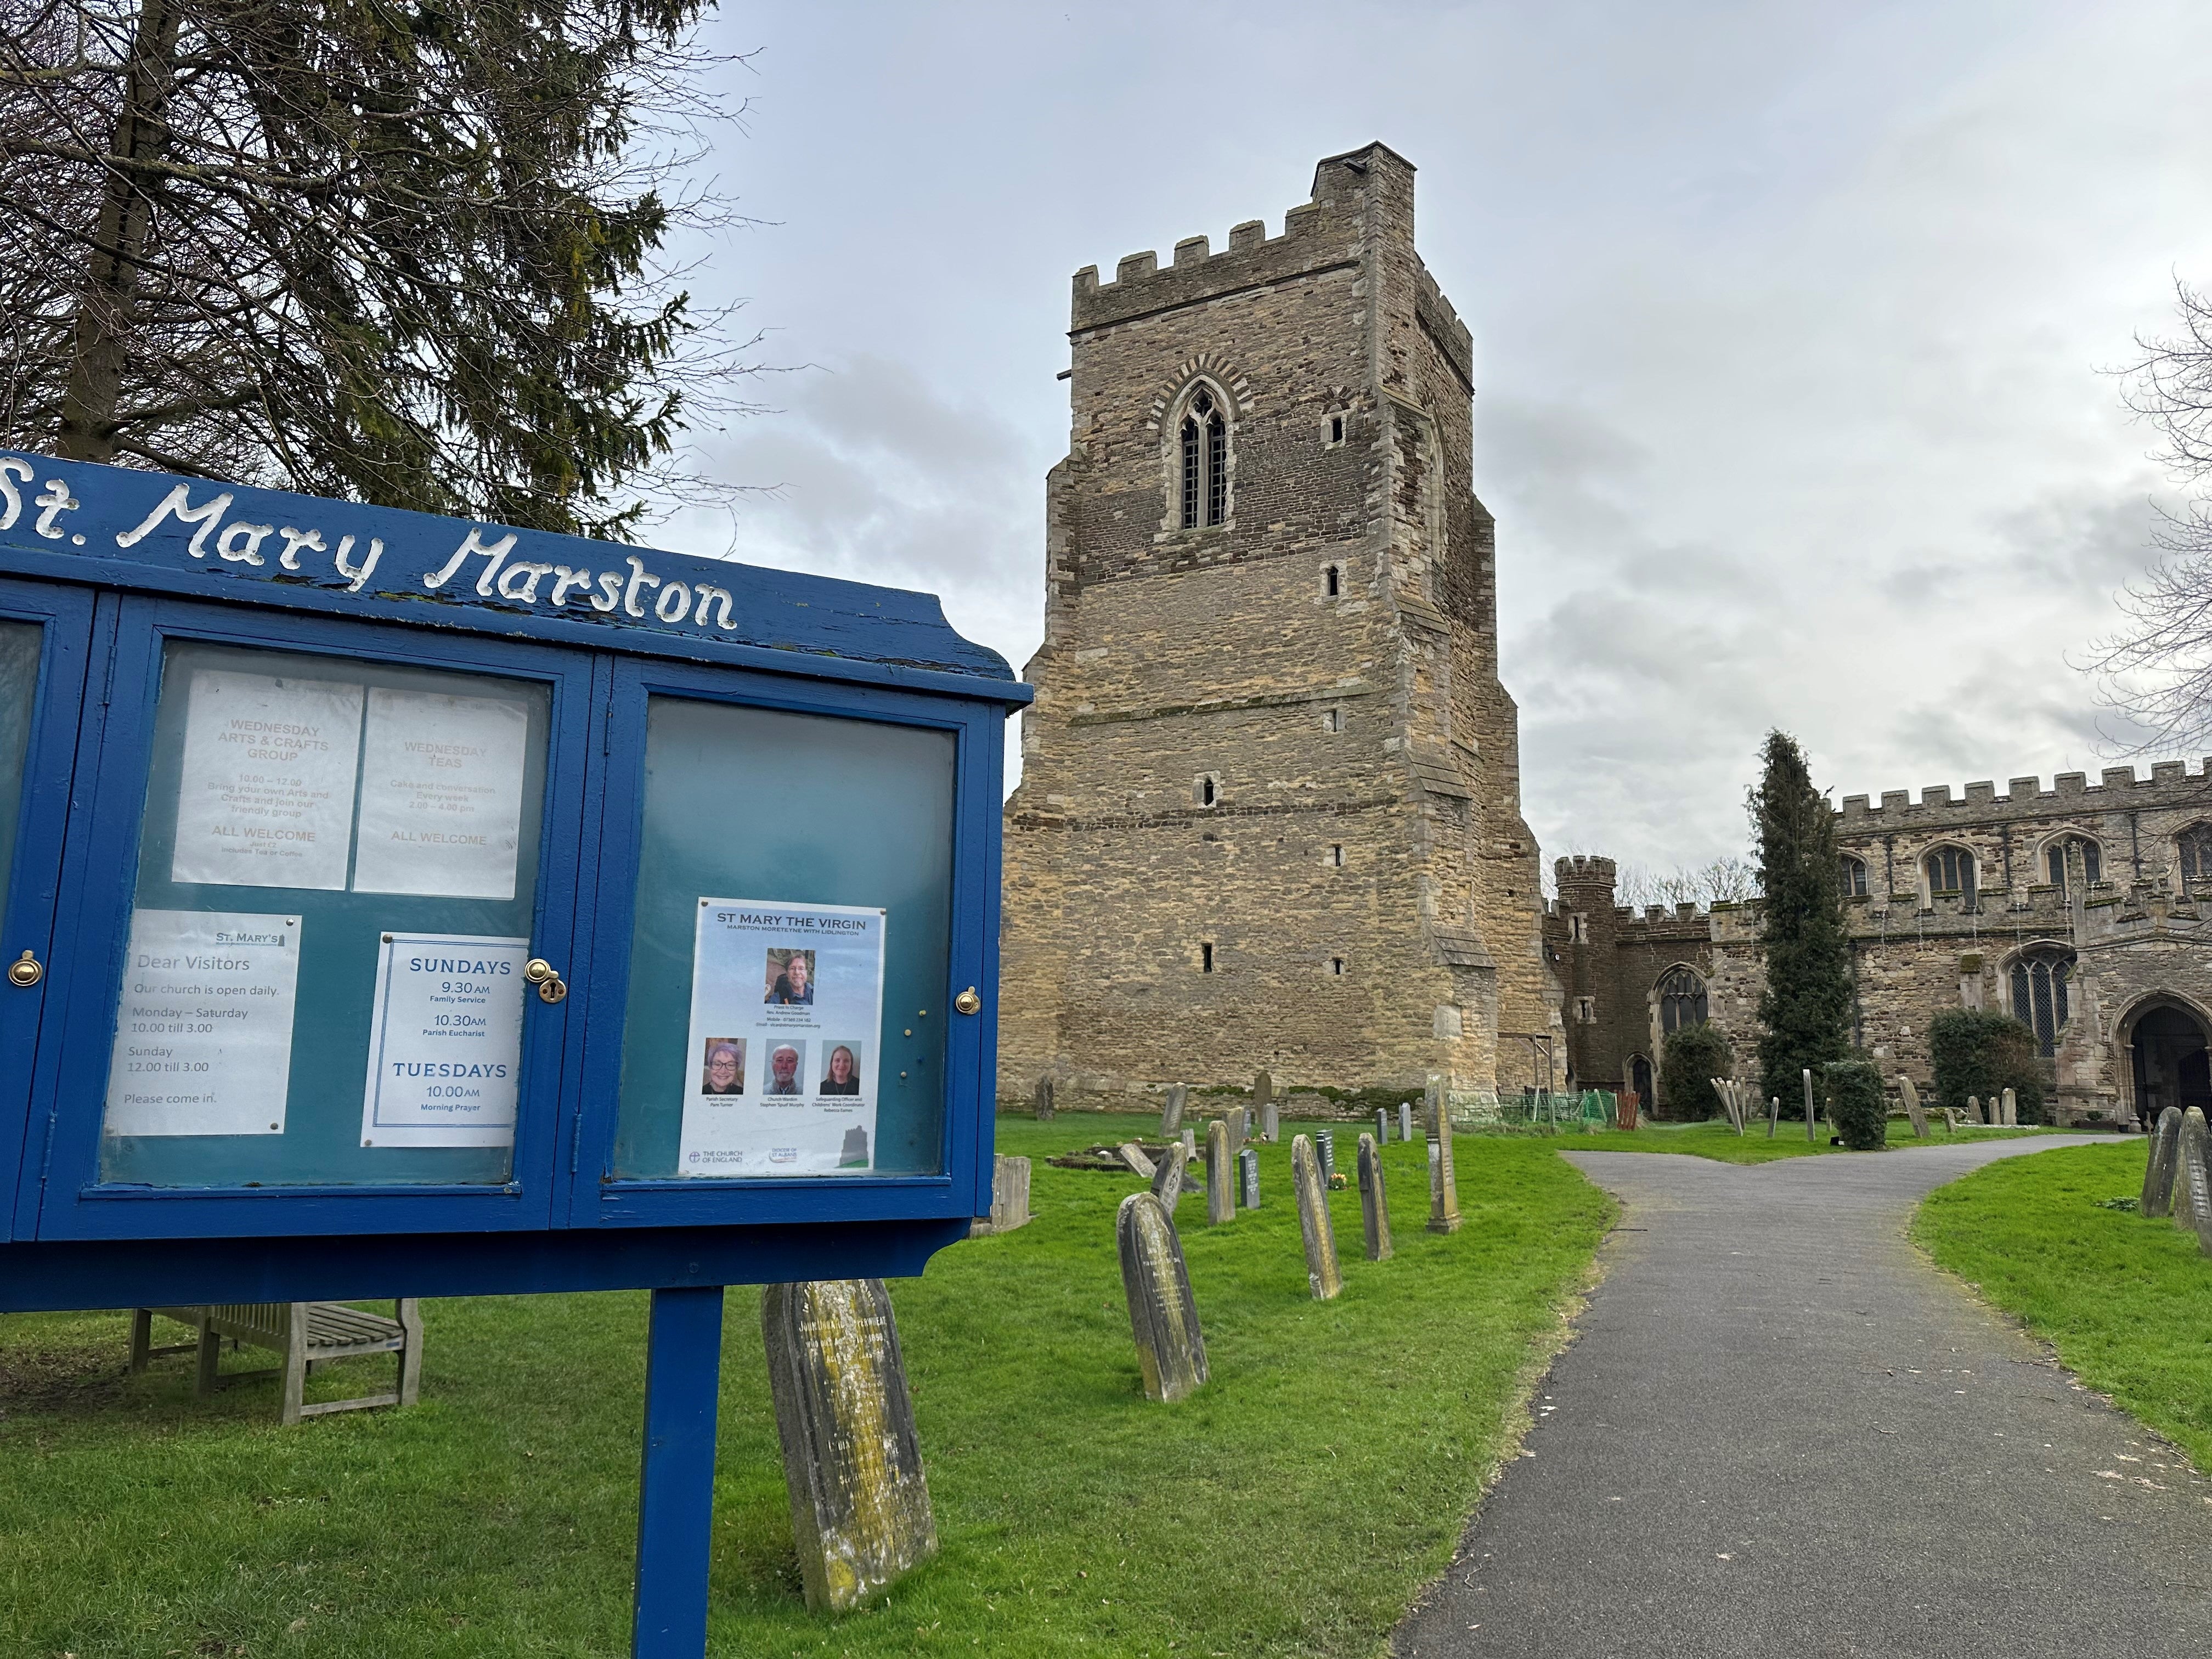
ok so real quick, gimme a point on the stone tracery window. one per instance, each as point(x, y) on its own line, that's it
point(1681, 996)
point(2194, 845)
point(1951, 870)
point(1203, 447)
point(1851, 873)
point(2054, 858)
point(2039, 981)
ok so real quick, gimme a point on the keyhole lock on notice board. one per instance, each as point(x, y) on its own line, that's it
point(551, 987)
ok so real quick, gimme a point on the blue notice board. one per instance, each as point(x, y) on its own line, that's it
point(397, 905)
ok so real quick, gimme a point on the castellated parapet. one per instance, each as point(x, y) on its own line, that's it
point(1270, 807)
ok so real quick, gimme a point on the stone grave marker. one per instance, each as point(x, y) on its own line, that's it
point(1325, 1145)
point(1263, 1090)
point(1773, 1114)
point(1168, 1181)
point(1042, 1107)
point(1374, 1202)
point(1405, 1120)
point(2192, 1197)
point(1134, 1155)
point(1220, 1195)
point(1808, 1103)
point(2165, 1156)
point(1189, 1144)
point(1270, 1123)
point(2011, 1109)
point(1323, 1277)
point(1010, 1198)
point(1974, 1109)
point(1443, 1185)
point(1913, 1110)
point(1163, 1315)
point(1171, 1114)
point(1382, 1125)
point(859, 1506)
point(1240, 1129)
point(1247, 1177)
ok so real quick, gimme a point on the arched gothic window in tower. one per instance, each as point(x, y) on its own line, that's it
point(2194, 845)
point(1681, 999)
point(2054, 858)
point(1951, 870)
point(2040, 979)
point(1851, 876)
point(1204, 445)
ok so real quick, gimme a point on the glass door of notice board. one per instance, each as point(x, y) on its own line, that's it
point(44, 631)
point(343, 904)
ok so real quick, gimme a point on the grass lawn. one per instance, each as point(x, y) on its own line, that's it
point(2125, 1299)
point(1715, 1139)
point(1292, 1506)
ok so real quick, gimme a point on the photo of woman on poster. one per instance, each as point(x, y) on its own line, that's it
point(724, 1072)
point(843, 1075)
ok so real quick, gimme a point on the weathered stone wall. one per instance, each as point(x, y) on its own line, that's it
point(1360, 870)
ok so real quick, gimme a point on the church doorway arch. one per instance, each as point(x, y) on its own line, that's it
point(2171, 1056)
point(1639, 1079)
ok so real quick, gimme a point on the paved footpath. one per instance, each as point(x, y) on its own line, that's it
point(1780, 1432)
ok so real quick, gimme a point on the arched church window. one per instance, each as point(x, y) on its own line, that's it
point(1204, 445)
point(2054, 858)
point(2040, 979)
point(1852, 876)
point(1951, 870)
point(2195, 845)
point(1681, 999)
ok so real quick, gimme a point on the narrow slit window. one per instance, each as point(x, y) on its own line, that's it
point(1333, 721)
point(1336, 856)
point(1332, 581)
point(1205, 792)
point(1206, 958)
point(1336, 428)
point(1336, 964)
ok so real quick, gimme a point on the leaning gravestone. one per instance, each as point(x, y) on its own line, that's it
point(1189, 1144)
point(1247, 1177)
point(1406, 1120)
point(1171, 1115)
point(1010, 1198)
point(1325, 1144)
point(1163, 1315)
point(1270, 1123)
point(1043, 1108)
point(1134, 1155)
point(1220, 1196)
point(1912, 1108)
point(1444, 1186)
point(2011, 1109)
point(1374, 1203)
point(1323, 1277)
point(2192, 1198)
point(2164, 1155)
point(859, 1506)
point(1168, 1181)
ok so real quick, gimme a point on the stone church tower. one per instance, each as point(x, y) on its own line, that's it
point(1270, 813)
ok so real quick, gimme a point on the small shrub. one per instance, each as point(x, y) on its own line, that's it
point(1693, 1057)
point(1860, 1107)
point(1976, 1052)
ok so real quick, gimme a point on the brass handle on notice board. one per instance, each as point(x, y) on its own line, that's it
point(968, 1002)
point(25, 970)
point(551, 987)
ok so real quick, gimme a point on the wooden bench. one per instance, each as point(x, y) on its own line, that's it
point(307, 1334)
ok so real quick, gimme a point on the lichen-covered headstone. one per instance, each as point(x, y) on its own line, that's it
point(1010, 1198)
point(1247, 1177)
point(1974, 1109)
point(1220, 1195)
point(1443, 1185)
point(1323, 1277)
point(1912, 1108)
point(1134, 1155)
point(1263, 1090)
point(1382, 1125)
point(2192, 1197)
point(1171, 1115)
point(2165, 1156)
point(2011, 1109)
point(1168, 1180)
point(1406, 1120)
point(859, 1506)
point(1240, 1129)
point(1374, 1203)
point(1163, 1315)
point(1043, 1105)
point(1270, 1123)
point(1325, 1146)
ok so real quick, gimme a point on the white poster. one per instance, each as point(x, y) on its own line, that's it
point(204, 1030)
point(445, 1042)
point(441, 794)
point(786, 1015)
point(266, 798)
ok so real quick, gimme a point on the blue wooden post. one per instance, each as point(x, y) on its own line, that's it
point(675, 1491)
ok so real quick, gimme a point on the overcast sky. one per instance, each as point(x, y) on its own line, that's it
point(1790, 323)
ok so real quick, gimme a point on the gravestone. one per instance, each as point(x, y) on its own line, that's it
point(1325, 1145)
point(1270, 1123)
point(1382, 1125)
point(1042, 1106)
point(1163, 1315)
point(2192, 1197)
point(1405, 1120)
point(1171, 1114)
point(1168, 1181)
point(1374, 1203)
point(1444, 1186)
point(1323, 1277)
point(2165, 1156)
point(1134, 1155)
point(1773, 1114)
point(1912, 1108)
point(1808, 1103)
point(859, 1506)
point(1010, 1198)
point(1240, 1129)
point(1247, 1177)
point(1189, 1144)
point(1263, 1090)
point(2011, 1109)
point(1220, 1196)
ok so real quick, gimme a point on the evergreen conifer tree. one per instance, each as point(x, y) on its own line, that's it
point(1806, 1008)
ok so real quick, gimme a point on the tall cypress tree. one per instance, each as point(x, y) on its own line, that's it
point(1806, 1008)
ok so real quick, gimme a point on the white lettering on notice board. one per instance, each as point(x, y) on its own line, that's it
point(445, 1042)
point(786, 1020)
point(441, 794)
point(266, 797)
point(203, 1028)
